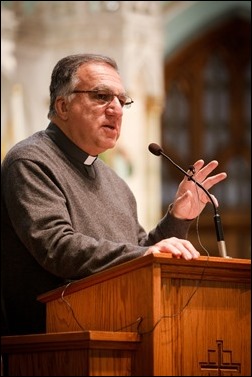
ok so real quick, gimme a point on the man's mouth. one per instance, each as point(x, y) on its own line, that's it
point(109, 126)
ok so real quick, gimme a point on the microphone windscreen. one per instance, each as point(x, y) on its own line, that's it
point(155, 149)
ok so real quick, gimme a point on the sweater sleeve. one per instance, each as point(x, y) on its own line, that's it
point(168, 227)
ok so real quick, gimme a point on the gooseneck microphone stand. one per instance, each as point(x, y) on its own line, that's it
point(158, 151)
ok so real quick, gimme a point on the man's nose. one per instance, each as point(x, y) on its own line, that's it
point(115, 107)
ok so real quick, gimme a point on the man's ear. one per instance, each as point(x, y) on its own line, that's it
point(61, 107)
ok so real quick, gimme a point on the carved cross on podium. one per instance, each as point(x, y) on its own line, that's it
point(219, 366)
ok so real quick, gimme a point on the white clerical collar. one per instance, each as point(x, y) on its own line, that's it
point(89, 160)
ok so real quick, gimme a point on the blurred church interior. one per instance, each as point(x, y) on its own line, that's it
point(186, 64)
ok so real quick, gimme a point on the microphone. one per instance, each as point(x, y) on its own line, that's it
point(158, 151)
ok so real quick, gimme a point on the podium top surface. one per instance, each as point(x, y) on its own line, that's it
point(207, 268)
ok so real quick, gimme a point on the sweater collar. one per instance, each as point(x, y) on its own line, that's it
point(68, 146)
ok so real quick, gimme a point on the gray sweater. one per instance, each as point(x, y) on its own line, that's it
point(63, 220)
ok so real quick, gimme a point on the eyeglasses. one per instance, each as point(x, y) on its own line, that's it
point(104, 97)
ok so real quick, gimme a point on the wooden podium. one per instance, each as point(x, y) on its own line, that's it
point(193, 317)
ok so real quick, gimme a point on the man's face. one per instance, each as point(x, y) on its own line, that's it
point(90, 122)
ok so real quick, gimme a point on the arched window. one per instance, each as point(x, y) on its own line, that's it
point(208, 115)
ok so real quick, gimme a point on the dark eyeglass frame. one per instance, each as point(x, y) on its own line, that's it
point(104, 97)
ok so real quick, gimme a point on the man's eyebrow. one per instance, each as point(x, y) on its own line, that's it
point(104, 87)
point(107, 89)
point(101, 87)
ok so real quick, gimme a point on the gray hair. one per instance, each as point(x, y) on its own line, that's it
point(64, 78)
